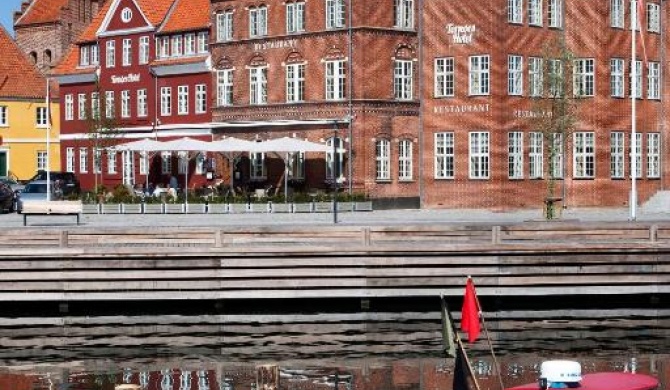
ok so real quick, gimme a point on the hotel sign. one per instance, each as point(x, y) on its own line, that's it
point(129, 78)
point(461, 34)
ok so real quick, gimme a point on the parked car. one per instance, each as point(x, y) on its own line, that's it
point(68, 179)
point(36, 191)
point(6, 198)
point(13, 184)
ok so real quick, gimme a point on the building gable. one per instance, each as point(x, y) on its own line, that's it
point(124, 16)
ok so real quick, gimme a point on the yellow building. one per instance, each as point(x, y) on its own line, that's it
point(23, 115)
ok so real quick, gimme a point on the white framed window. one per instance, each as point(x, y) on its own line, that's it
point(635, 16)
point(296, 166)
point(295, 17)
point(555, 13)
point(182, 100)
point(142, 105)
point(535, 155)
point(182, 163)
point(81, 106)
point(109, 104)
point(515, 154)
point(339, 152)
point(41, 160)
point(479, 160)
point(111, 162)
point(166, 101)
point(637, 145)
point(203, 38)
point(97, 160)
point(404, 14)
point(535, 12)
point(515, 75)
point(69, 107)
point(84, 59)
point(403, 80)
point(144, 50)
point(535, 77)
point(444, 155)
point(144, 163)
point(224, 26)
point(584, 155)
point(200, 164)
point(166, 163)
point(126, 15)
point(555, 69)
point(515, 11)
point(334, 14)
point(163, 47)
point(95, 105)
point(189, 44)
point(110, 54)
point(654, 80)
point(638, 80)
point(556, 156)
point(653, 17)
point(479, 76)
point(125, 104)
point(95, 54)
point(617, 13)
point(383, 159)
point(617, 155)
point(653, 155)
point(295, 83)
point(257, 165)
point(69, 159)
point(335, 80)
point(83, 160)
point(258, 93)
point(41, 117)
point(4, 116)
point(258, 21)
point(617, 77)
point(177, 42)
point(584, 77)
point(224, 87)
point(127, 52)
point(444, 77)
point(405, 155)
point(200, 98)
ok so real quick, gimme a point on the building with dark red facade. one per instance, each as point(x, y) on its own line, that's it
point(140, 70)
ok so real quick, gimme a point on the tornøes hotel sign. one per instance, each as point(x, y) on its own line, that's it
point(461, 34)
point(129, 78)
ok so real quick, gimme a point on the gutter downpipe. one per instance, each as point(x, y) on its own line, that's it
point(350, 131)
point(421, 106)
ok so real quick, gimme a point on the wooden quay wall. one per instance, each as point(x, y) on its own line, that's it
point(562, 258)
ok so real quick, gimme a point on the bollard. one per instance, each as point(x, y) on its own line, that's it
point(63, 239)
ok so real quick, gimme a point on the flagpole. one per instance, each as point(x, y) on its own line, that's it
point(459, 342)
point(452, 335)
point(633, 141)
point(488, 339)
point(48, 98)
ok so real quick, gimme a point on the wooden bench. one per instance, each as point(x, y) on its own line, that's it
point(60, 207)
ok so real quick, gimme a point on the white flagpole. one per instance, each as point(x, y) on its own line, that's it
point(633, 141)
point(48, 141)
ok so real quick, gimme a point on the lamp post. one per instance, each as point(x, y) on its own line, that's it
point(334, 163)
point(633, 97)
point(48, 118)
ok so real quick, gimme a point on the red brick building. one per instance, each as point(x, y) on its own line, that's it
point(141, 69)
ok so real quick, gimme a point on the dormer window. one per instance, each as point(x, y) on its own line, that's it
point(84, 59)
point(95, 54)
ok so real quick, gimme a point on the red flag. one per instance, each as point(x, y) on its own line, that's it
point(470, 312)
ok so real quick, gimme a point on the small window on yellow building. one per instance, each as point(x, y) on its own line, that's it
point(4, 116)
point(41, 117)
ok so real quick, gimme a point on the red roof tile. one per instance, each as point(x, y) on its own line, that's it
point(89, 34)
point(188, 15)
point(42, 11)
point(19, 78)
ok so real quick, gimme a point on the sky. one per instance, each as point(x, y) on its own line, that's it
point(7, 8)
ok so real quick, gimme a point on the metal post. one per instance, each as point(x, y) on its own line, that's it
point(334, 171)
point(633, 140)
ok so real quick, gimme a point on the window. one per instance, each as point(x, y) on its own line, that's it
point(81, 106)
point(177, 42)
point(635, 16)
point(83, 160)
point(637, 80)
point(4, 116)
point(479, 155)
point(339, 163)
point(296, 166)
point(69, 107)
point(97, 160)
point(144, 50)
point(182, 100)
point(556, 156)
point(555, 13)
point(126, 15)
point(41, 116)
point(41, 160)
point(127, 53)
point(166, 101)
point(616, 77)
point(555, 68)
point(515, 155)
point(142, 106)
point(535, 79)
point(257, 165)
point(109, 104)
point(402, 84)
point(654, 80)
point(224, 26)
point(163, 47)
point(202, 42)
point(405, 160)
point(144, 163)
point(200, 99)
point(653, 155)
point(335, 80)
point(295, 83)
point(404, 14)
point(95, 105)
point(444, 155)
point(110, 55)
point(584, 155)
point(258, 21)
point(617, 11)
point(514, 11)
point(535, 156)
point(584, 77)
point(182, 163)
point(189, 44)
point(259, 85)
point(638, 155)
point(617, 155)
point(515, 75)
point(224, 87)
point(653, 17)
point(95, 55)
point(295, 17)
point(383, 159)
point(166, 163)
point(334, 14)
point(69, 159)
point(479, 75)
point(444, 77)
point(84, 59)
point(535, 12)
point(125, 104)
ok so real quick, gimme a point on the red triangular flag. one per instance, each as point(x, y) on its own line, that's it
point(470, 312)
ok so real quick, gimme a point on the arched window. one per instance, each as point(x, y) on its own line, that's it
point(33, 57)
point(383, 159)
point(405, 160)
point(47, 57)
